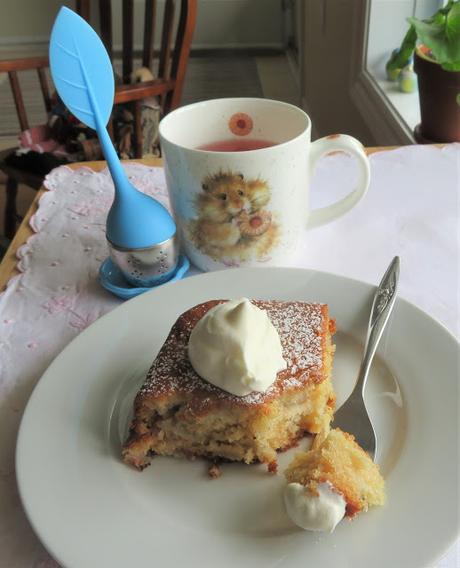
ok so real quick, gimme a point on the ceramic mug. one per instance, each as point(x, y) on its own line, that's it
point(236, 208)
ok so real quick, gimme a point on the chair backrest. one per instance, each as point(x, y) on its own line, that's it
point(174, 47)
point(14, 66)
point(173, 55)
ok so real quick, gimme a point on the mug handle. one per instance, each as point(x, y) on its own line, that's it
point(348, 144)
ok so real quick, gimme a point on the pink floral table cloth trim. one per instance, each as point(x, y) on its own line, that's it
point(412, 209)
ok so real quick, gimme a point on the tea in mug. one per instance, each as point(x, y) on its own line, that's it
point(237, 145)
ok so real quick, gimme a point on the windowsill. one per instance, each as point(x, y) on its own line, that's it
point(406, 104)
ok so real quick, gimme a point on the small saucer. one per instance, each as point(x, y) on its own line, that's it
point(112, 278)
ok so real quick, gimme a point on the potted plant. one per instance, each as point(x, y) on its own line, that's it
point(435, 44)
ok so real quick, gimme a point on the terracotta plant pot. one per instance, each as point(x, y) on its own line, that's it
point(439, 93)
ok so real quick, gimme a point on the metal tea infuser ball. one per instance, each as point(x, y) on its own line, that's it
point(141, 232)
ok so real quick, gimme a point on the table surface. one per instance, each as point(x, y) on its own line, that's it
point(408, 236)
point(9, 261)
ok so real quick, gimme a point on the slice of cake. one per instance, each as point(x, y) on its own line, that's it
point(177, 413)
point(335, 470)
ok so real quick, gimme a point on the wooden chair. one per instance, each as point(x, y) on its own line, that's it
point(172, 62)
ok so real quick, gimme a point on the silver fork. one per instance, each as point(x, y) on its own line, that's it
point(352, 416)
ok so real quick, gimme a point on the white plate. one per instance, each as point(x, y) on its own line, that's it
point(89, 509)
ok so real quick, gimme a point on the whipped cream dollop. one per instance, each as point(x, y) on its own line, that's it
point(236, 347)
point(322, 512)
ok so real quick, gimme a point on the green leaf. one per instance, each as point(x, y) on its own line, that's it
point(442, 37)
point(453, 24)
point(438, 18)
point(451, 66)
point(445, 9)
point(401, 58)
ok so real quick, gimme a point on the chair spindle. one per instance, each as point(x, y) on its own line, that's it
point(83, 8)
point(128, 23)
point(105, 18)
point(166, 40)
point(180, 56)
point(18, 100)
point(149, 32)
point(44, 87)
point(138, 129)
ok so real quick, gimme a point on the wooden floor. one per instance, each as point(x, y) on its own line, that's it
point(208, 76)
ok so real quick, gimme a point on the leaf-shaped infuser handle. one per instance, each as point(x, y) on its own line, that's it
point(81, 69)
point(83, 75)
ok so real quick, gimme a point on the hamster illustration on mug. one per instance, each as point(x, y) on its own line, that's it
point(233, 222)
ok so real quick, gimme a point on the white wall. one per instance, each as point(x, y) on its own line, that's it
point(28, 21)
point(220, 23)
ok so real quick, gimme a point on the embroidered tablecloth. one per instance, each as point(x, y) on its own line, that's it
point(411, 209)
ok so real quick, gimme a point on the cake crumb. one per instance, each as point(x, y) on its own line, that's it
point(273, 467)
point(214, 471)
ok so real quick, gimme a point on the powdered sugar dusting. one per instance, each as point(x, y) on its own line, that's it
point(300, 327)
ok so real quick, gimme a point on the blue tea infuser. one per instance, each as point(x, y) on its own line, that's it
point(140, 231)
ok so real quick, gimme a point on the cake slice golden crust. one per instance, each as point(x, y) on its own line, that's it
point(339, 460)
point(178, 413)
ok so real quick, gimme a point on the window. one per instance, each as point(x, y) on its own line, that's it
point(387, 27)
